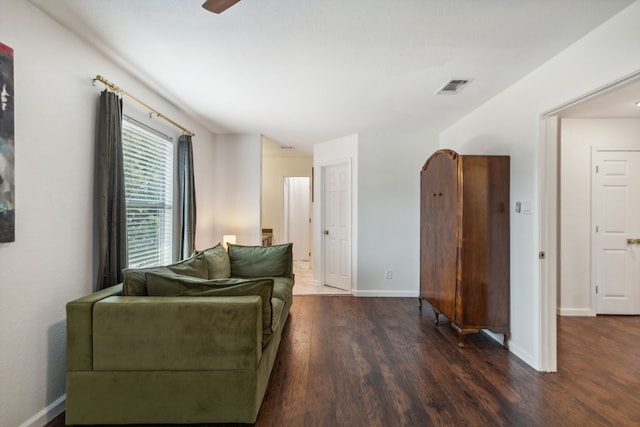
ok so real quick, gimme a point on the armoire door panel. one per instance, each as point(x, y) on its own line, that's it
point(428, 229)
point(446, 253)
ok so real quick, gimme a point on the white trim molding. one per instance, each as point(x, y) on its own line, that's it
point(386, 294)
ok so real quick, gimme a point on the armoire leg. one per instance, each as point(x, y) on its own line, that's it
point(437, 320)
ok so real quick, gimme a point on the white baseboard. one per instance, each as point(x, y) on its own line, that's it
point(389, 294)
point(47, 414)
point(524, 356)
point(584, 312)
point(513, 348)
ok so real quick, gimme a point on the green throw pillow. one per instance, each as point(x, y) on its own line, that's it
point(135, 283)
point(217, 262)
point(194, 266)
point(261, 261)
point(177, 285)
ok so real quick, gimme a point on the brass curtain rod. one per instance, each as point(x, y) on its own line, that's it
point(153, 110)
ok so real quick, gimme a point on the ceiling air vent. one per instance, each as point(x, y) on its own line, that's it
point(453, 86)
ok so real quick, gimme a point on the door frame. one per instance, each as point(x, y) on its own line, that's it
point(548, 236)
point(548, 224)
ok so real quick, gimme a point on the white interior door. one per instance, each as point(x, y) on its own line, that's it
point(616, 231)
point(337, 226)
point(297, 223)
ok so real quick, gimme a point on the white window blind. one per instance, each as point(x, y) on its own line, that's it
point(148, 174)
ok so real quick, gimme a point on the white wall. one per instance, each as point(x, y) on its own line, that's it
point(328, 153)
point(578, 136)
point(389, 211)
point(50, 263)
point(237, 165)
point(509, 124)
point(274, 170)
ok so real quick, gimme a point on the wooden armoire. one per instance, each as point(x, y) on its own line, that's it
point(464, 241)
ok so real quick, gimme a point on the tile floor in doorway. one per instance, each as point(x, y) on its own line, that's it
point(304, 282)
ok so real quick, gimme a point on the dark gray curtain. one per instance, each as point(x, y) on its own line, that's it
point(187, 196)
point(109, 202)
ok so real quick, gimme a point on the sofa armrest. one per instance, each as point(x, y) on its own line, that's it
point(79, 328)
point(177, 333)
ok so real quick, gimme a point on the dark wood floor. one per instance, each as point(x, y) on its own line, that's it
point(347, 361)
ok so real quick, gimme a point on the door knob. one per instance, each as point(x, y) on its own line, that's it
point(633, 241)
point(326, 232)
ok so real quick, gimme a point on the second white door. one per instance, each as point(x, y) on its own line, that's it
point(337, 226)
point(616, 231)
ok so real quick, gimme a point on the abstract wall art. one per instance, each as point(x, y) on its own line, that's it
point(7, 157)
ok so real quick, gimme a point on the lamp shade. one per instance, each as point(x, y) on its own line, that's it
point(228, 238)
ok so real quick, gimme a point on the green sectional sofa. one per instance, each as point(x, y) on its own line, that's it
point(192, 342)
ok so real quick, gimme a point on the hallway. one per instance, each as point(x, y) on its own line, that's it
point(304, 282)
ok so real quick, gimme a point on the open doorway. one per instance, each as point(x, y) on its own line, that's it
point(566, 221)
point(285, 219)
point(280, 161)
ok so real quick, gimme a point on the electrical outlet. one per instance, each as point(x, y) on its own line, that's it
point(388, 274)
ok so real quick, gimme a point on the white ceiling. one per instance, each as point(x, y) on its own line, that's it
point(306, 71)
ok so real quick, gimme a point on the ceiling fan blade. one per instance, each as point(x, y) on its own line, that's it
point(218, 6)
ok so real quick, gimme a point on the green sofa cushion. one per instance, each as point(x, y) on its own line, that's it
point(217, 262)
point(282, 288)
point(134, 280)
point(261, 261)
point(177, 285)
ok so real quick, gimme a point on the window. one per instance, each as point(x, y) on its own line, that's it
point(148, 177)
